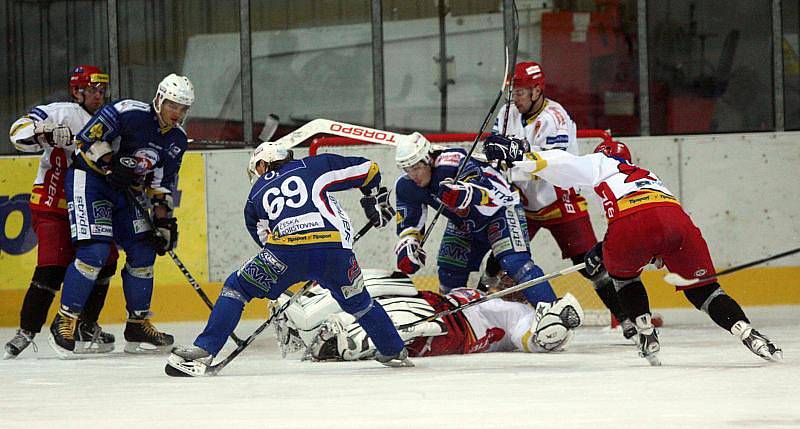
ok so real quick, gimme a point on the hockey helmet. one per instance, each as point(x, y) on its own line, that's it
point(412, 150)
point(528, 74)
point(268, 152)
point(178, 89)
point(614, 149)
point(84, 76)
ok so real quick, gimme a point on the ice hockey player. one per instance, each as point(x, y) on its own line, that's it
point(541, 124)
point(645, 222)
point(49, 129)
point(317, 324)
point(128, 149)
point(483, 214)
point(305, 234)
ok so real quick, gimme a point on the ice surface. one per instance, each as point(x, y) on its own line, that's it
point(709, 380)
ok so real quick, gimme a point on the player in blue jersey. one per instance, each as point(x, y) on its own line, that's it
point(305, 234)
point(129, 149)
point(483, 213)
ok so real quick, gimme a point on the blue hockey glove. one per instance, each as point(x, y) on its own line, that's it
point(410, 255)
point(594, 260)
point(377, 208)
point(501, 148)
point(123, 172)
point(167, 237)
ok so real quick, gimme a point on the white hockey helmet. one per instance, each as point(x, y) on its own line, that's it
point(268, 152)
point(412, 150)
point(178, 89)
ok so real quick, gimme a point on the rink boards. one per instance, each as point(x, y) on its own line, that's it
point(741, 190)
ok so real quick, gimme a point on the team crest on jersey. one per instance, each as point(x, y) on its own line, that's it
point(96, 132)
point(146, 160)
point(449, 158)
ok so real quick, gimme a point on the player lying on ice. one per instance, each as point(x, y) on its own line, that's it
point(645, 222)
point(304, 234)
point(315, 323)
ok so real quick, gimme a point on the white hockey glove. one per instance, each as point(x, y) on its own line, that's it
point(377, 208)
point(52, 135)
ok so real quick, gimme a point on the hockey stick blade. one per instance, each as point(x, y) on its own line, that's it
point(500, 294)
point(680, 281)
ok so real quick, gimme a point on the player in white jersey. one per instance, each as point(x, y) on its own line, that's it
point(541, 124)
point(645, 222)
point(49, 129)
point(316, 323)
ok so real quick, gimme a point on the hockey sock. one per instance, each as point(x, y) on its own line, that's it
point(632, 297)
point(381, 330)
point(542, 292)
point(223, 320)
point(82, 274)
point(97, 298)
point(605, 290)
point(722, 309)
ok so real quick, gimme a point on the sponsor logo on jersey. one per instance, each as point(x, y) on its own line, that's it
point(449, 159)
point(297, 224)
point(174, 150)
point(102, 212)
point(104, 230)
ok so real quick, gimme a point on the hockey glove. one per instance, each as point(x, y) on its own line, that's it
point(458, 195)
point(123, 172)
point(594, 260)
point(377, 208)
point(52, 135)
point(410, 255)
point(167, 236)
point(501, 148)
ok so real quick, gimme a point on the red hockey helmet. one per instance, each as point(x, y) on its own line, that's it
point(528, 75)
point(614, 149)
point(85, 75)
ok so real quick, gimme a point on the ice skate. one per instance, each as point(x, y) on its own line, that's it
point(22, 339)
point(757, 342)
point(189, 361)
point(396, 361)
point(648, 339)
point(62, 333)
point(143, 338)
point(90, 339)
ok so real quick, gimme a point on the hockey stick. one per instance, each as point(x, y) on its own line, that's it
point(495, 295)
point(677, 280)
point(463, 163)
point(216, 368)
point(175, 258)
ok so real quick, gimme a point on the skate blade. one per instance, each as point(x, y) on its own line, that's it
point(146, 348)
point(61, 352)
point(405, 363)
point(179, 367)
point(653, 360)
point(86, 347)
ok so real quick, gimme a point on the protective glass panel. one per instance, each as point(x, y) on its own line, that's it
point(791, 64)
point(45, 40)
point(311, 59)
point(427, 94)
point(710, 66)
point(195, 38)
point(589, 54)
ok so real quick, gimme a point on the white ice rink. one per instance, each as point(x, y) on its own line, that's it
point(709, 380)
